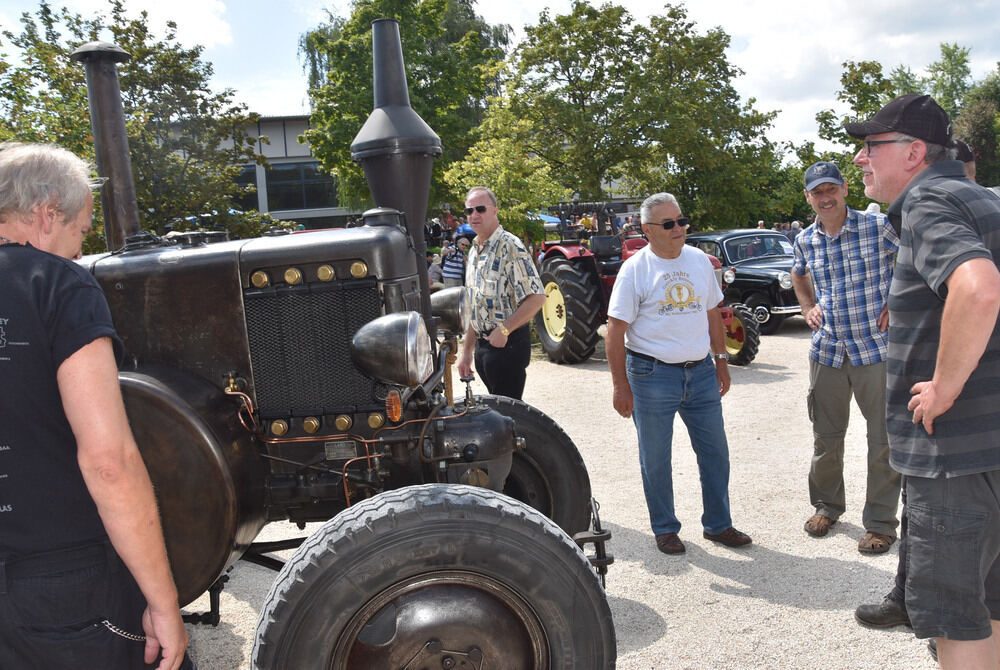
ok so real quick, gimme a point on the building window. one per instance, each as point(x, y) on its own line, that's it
point(299, 186)
point(247, 177)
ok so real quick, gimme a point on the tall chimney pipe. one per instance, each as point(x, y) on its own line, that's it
point(107, 120)
point(396, 148)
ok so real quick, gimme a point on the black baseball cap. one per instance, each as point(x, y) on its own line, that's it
point(911, 114)
point(965, 152)
point(822, 172)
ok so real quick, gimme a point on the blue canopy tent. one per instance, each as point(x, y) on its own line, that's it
point(544, 218)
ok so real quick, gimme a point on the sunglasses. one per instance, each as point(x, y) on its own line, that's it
point(669, 223)
point(874, 143)
point(478, 208)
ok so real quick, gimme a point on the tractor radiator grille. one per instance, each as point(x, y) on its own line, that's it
point(300, 348)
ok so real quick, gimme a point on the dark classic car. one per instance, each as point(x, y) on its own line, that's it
point(756, 267)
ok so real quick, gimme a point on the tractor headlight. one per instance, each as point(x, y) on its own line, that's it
point(729, 276)
point(395, 349)
point(785, 281)
point(454, 307)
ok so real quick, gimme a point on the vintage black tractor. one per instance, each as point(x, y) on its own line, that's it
point(578, 272)
point(308, 378)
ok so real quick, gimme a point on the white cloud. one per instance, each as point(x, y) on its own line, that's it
point(198, 21)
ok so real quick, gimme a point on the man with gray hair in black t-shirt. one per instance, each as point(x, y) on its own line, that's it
point(943, 399)
point(84, 577)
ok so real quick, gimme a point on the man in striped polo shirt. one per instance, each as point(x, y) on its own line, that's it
point(943, 398)
point(848, 256)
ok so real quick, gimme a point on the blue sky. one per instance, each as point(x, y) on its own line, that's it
point(792, 52)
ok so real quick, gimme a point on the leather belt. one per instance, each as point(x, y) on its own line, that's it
point(651, 359)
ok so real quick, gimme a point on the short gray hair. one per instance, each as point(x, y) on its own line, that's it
point(656, 200)
point(482, 189)
point(935, 152)
point(39, 174)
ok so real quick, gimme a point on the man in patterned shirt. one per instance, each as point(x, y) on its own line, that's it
point(943, 399)
point(848, 255)
point(506, 293)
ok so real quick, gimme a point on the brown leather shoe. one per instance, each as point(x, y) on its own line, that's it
point(818, 525)
point(669, 543)
point(729, 537)
point(875, 543)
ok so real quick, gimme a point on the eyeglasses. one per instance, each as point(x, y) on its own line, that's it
point(478, 208)
point(871, 143)
point(669, 223)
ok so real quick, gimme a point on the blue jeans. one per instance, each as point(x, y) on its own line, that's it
point(659, 391)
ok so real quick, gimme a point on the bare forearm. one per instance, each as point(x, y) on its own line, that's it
point(525, 311)
point(970, 315)
point(122, 491)
point(614, 349)
point(716, 333)
point(113, 470)
point(804, 291)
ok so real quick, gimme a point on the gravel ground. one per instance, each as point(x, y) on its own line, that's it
point(785, 602)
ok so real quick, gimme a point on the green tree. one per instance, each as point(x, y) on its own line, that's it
point(949, 78)
point(865, 90)
point(979, 124)
point(451, 58)
point(313, 47)
point(186, 142)
point(650, 107)
point(903, 81)
point(522, 181)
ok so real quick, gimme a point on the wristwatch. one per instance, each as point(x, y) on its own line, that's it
point(506, 333)
point(724, 357)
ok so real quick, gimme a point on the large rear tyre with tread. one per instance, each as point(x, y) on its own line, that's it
point(549, 473)
point(436, 576)
point(568, 321)
point(742, 336)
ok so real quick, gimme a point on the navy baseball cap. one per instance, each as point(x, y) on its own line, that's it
point(822, 172)
point(915, 115)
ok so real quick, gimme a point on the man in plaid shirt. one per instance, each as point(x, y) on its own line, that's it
point(841, 274)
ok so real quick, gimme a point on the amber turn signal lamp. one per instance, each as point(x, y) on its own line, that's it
point(394, 406)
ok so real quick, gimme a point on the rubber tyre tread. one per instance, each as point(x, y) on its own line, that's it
point(582, 303)
point(751, 335)
point(412, 531)
point(774, 323)
point(551, 455)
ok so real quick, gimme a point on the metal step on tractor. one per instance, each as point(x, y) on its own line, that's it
point(307, 378)
point(578, 272)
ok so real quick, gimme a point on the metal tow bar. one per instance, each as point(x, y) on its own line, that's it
point(596, 536)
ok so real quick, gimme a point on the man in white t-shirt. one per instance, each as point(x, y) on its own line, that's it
point(663, 322)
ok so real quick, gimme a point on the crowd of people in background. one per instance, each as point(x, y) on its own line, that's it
point(789, 229)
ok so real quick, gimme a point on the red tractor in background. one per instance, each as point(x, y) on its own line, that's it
point(578, 272)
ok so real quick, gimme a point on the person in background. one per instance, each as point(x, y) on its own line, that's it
point(943, 402)
point(434, 278)
point(85, 581)
point(667, 354)
point(453, 263)
point(848, 315)
point(506, 294)
point(892, 610)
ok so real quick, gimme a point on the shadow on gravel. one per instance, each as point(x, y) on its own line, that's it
point(804, 582)
point(644, 625)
